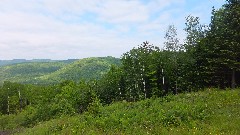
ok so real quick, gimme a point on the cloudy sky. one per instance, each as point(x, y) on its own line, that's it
point(64, 29)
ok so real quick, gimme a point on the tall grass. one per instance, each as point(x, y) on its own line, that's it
point(207, 112)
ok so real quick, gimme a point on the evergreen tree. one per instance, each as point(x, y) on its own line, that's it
point(218, 53)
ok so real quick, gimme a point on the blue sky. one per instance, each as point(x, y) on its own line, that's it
point(64, 29)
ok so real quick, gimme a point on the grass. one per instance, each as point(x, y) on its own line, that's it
point(206, 112)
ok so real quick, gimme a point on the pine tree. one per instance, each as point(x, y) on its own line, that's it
point(219, 52)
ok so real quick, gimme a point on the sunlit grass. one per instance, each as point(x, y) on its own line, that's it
point(205, 112)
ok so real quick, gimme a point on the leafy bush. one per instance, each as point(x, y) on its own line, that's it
point(189, 113)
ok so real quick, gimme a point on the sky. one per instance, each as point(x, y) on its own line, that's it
point(75, 29)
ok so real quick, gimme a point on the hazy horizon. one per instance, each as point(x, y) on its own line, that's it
point(54, 59)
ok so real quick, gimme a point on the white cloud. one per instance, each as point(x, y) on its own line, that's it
point(58, 29)
point(122, 12)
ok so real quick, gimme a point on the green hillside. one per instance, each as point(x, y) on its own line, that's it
point(86, 69)
point(55, 72)
point(28, 72)
point(206, 112)
point(181, 89)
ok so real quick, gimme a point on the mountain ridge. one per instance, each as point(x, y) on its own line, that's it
point(57, 71)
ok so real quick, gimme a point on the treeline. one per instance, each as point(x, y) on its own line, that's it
point(18, 61)
point(34, 103)
point(210, 57)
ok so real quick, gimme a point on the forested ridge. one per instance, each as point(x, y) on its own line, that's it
point(27, 72)
point(53, 72)
point(209, 59)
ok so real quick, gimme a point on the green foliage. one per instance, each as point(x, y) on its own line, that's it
point(44, 102)
point(145, 74)
point(95, 106)
point(140, 68)
point(55, 72)
point(217, 55)
point(146, 71)
point(12, 97)
point(172, 42)
point(111, 87)
point(85, 69)
point(195, 32)
point(28, 72)
point(199, 113)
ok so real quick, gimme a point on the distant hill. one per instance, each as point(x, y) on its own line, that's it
point(55, 72)
point(10, 62)
point(86, 69)
point(28, 72)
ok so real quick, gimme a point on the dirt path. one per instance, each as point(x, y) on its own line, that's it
point(5, 132)
point(9, 132)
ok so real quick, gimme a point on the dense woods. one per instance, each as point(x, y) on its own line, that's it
point(209, 58)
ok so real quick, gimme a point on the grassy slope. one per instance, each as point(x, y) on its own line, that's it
point(207, 112)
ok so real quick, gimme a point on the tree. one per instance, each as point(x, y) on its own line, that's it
point(218, 53)
point(112, 86)
point(13, 97)
point(172, 42)
point(195, 32)
point(195, 53)
point(173, 47)
point(137, 68)
point(232, 19)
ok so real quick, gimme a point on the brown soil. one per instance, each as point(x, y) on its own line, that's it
point(5, 132)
